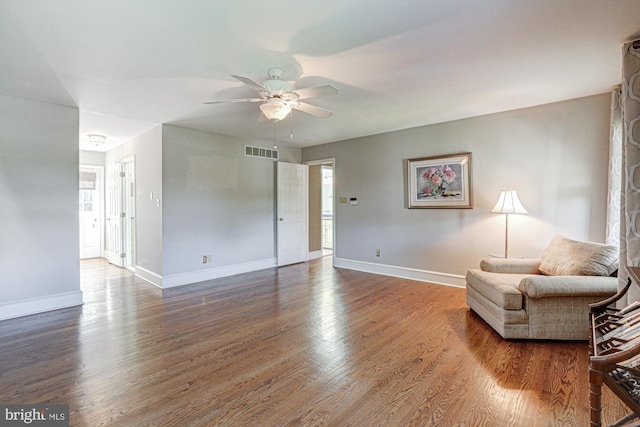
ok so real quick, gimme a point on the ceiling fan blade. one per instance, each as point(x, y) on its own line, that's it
point(314, 110)
point(225, 101)
point(249, 82)
point(312, 92)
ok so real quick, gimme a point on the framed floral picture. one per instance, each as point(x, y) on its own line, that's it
point(440, 182)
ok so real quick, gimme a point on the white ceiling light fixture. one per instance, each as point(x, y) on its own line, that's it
point(275, 109)
point(278, 98)
point(97, 140)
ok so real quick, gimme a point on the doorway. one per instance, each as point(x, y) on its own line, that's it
point(90, 212)
point(327, 209)
point(321, 208)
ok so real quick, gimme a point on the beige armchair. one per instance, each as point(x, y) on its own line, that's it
point(546, 298)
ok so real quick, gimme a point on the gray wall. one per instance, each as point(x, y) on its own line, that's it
point(217, 201)
point(92, 158)
point(147, 150)
point(555, 156)
point(213, 201)
point(39, 244)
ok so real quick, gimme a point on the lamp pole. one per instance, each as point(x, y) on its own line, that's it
point(506, 235)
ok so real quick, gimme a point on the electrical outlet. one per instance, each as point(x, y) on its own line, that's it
point(204, 259)
point(377, 252)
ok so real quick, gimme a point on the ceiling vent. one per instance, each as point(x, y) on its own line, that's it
point(265, 153)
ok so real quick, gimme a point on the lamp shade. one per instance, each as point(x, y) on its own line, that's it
point(275, 109)
point(508, 203)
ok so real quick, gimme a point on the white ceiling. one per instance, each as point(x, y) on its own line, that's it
point(131, 64)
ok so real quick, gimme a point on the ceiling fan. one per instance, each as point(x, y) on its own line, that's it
point(279, 98)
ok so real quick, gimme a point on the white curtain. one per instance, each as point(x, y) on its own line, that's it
point(630, 196)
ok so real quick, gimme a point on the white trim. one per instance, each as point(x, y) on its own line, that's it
point(149, 276)
point(330, 160)
point(315, 254)
point(215, 273)
point(181, 279)
point(40, 305)
point(435, 277)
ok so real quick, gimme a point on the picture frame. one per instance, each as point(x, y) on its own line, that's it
point(440, 182)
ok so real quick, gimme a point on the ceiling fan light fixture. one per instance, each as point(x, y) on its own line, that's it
point(279, 87)
point(275, 109)
point(279, 99)
point(97, 139)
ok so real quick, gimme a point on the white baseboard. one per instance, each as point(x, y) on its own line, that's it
point(149, 276)
point(315, 254)
point(181, 279)
point(40, 305)
point(368, 267)
point(435, 277)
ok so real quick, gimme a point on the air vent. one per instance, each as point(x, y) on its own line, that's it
point(265, 153)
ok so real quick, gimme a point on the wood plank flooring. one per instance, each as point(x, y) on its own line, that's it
point(303, 345)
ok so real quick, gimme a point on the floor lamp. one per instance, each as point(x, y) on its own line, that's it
point(508, 203)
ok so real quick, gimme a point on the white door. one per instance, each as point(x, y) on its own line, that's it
point(90, 213)
point(129, 209)
point(292, 213)
point(115, 215)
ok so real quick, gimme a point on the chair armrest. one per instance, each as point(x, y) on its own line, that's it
point(553, 286)
point(511, 265)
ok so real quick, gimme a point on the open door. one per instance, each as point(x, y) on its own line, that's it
point(114, 215)
point(120, 239)
point(292, 213)
point(129, 209)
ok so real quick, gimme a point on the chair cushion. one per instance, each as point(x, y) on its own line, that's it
point(499, 288)
point(511, 265)
point(566, 257)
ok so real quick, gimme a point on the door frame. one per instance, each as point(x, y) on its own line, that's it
point(329, 161)
point(100, 187)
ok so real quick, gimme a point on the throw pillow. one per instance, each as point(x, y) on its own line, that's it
point(566, 257)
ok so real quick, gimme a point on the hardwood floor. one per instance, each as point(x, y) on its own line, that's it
point(302, 345)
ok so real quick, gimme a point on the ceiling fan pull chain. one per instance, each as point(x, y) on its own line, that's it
point(275, 146)
point(291, 134)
